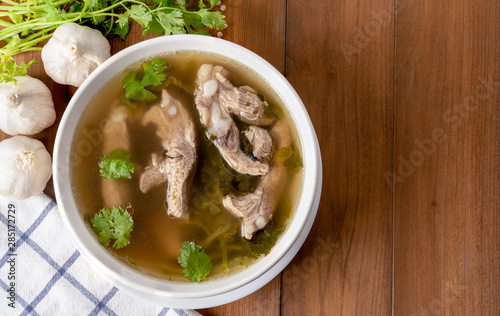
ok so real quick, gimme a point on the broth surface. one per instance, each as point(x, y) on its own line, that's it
point(156, 238)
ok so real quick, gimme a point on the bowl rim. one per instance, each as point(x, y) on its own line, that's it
point(184, 293)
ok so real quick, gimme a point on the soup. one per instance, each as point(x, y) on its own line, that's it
point(188, 184)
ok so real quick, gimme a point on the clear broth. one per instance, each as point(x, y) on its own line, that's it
point(156, 238)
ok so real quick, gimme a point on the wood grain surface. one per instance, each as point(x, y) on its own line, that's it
point(447, 132)
point(404, 97)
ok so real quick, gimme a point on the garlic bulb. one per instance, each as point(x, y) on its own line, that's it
point(27, 107)
point(73, 52)
point(25, 167)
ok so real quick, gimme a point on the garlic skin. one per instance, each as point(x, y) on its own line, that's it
point(25, 167)
point(73, 52)
point(26, 107)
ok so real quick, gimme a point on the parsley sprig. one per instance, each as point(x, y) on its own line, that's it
point(117, 165)
point(195, 262)
point(114, 224)
point(26, 23)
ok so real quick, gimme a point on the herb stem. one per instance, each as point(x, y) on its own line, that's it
point(12, 8)
point(173, 9)
point(35, 35)
point(33, 42)
point(13, 3)
point(29, 8)
point(5, 23)
point(112, 14)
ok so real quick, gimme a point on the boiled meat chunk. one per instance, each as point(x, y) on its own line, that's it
point(261, 141)
point(176, 165)
point(215, 116)
point(257, 208)
point(116, 135)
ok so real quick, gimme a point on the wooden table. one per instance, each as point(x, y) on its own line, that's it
point(404, 96)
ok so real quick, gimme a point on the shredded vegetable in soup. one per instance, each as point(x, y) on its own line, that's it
point(186, 166)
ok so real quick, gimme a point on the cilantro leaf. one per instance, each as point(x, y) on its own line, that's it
point(9, 69)
point(121, 30)
point(76, 7)
point(171, 22)
point(213, 3)
point(195, 262)
point(290, 158)
point(117, 165)
point(123, 19)
point(52, 11)
point(153, 75)
point(212, 19)
point(113, 224)
point(135, 90)
point(140, 15)
point(153, 72)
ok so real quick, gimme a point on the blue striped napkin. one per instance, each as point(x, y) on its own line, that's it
point(42, 273)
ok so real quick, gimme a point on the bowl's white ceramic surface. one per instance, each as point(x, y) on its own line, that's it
point(189, 295)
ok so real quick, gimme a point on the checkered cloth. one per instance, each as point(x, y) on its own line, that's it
point(42, 273)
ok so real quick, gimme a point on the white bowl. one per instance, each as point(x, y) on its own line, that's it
point(189, 295)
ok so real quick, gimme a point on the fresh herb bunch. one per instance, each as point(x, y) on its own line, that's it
point(117, 165)
point(114, 224)
point(195, 262)
point(32, 21)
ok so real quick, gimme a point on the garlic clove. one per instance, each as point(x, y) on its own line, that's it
point(73, 52)
point(25, 167)
point(27, 107)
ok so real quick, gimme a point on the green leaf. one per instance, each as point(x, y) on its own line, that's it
point(53, 13)
point(212, 19)
point(10, 69)
point(134, 90)
point(153, 72)
point(121, 30)
point(155, 27)
point(114, 224)
point(50, 9)
point(153, 75)
point(195, 262)
point(171, 22)
point(123, 19)
point(76, 7)
point(117, 165)
point(201, 5)
point(213, 3)
point(91, 3)
point(140, 15)
point(16, 18)
point(96, 20)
